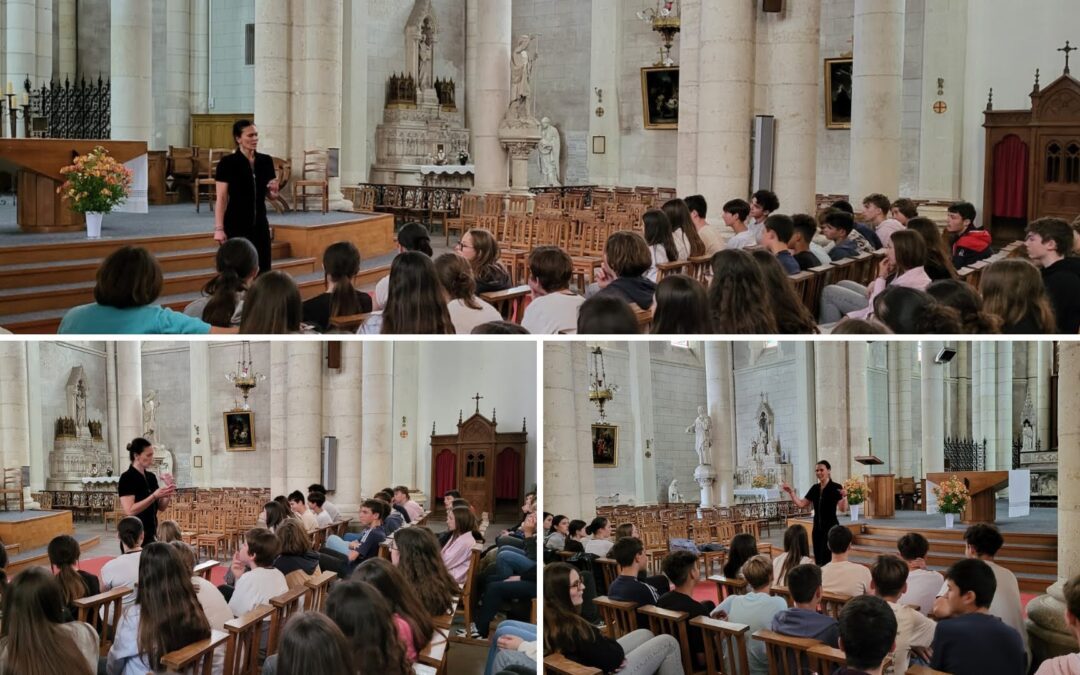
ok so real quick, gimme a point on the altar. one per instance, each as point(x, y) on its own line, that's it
point(94, 483)
point(757, 494)
point(448, 175)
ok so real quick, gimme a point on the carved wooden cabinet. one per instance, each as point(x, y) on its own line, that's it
point(479, 461)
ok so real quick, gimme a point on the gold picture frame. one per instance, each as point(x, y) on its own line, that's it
point(239, 430)
point(838, 93)
point(605, 446)
point(660, 97)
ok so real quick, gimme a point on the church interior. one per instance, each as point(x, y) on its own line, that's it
point(694, 442)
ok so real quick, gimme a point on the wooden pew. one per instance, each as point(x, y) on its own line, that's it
point(781, 592)
point(784, 652)
point(510, 303)
point(826, 659)
point(609, 568)
point(831, 604)
point(245, 634)
point(350, 323)
point(725, 645)
point(285, 605)
point(319, 586)
point(619, 617)
point(102, 611)
point(726, 587)
point(667, 622)
point(434, 654)
point(204, 569)
point(468, 590)
point(197, 658)
point(644, 317)
point(557, 664)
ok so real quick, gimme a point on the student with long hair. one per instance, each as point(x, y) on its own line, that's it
point(682, 307)
point(165, 617)
point(35, 639)
point(461, 523)
point(214, 604)
point(414, 624)
point(567, 633)
point(416, 301)
point(480, 248)
point(974, 320)
point(792, 316)
point(743, 547)
point(74, 582)
point(273, 306)
point(367, 620)
point(467, 310)
point(411, 237)
point(909, 311)
point(905, 255)
point(311, 643)
point(415, 551)
point(222, 301)
point(687, 240)
point(796, 552)
point(622, 272)
point(169, 531)
point(938, 263)
point(738, 285)
point(296, 559)
point(1013, 290)
point(341, 264)
point(660, 240)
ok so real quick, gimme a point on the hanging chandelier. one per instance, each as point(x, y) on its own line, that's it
point(244, 377)
point(600, 389)
point(665, 20)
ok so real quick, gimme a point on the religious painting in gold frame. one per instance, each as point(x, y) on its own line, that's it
point(838, 93)
point(605, 446)
point(660, 97)
point(239, 430)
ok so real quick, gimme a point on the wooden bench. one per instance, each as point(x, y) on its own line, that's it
point(787, 655)
point(102, 612)
point(468, 589)
point(510, 303)
point(725, 645)
point(619, 617)
point(726, 587)
point(204, 569)
point(557, 664)
point(350, 323)
point(245, 634)
point(434, 653)
point(826, 659)
point(197, 658)
point(319, 588)
point(832, 604)
point(285, 605)
point(668, 622)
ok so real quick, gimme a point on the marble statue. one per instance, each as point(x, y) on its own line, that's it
point(550, 149)
point(673, 495)
point(150, 406)
point(1027, 436)
point(427, 47)
point(521, 66)
point(80, 406)
point(702, 430)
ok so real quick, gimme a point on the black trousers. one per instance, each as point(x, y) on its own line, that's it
point(259, 237)
point(822, 554)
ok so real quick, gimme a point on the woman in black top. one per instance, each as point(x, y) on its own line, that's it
point(139, 493)
point(825, 496)
point(244, 180)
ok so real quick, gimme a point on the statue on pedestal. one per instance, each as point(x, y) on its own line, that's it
point(521, 66)
point(426, 47)
point(150, 406)
point(550, 149)
point(80, 406)
point(673, 495)
point(702, 430)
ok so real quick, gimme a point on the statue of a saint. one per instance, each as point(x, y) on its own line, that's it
point(550, 149)
point(673, 495)
point(521, 65)
point(150, 406)
point(702, 430)
point(80, 405)
point(1027, 437)
point(427, 70)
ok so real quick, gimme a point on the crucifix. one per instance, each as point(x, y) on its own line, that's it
point(477, 399)
point(1067, 49)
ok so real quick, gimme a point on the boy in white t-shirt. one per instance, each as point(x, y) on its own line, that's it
point(315, 501)
point(841, 576)
point(913, 629)
point(554, 308)
point(298, 504)
point(922, 584)
point(263, 581)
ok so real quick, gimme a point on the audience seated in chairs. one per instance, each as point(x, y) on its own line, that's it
point(607, 315)
point(738, 283)
point(682, 569)
point(222, 300)
point(418, 557)
point(914, 631)
point(796, 552)
point(124, 569)
point(36, 636)
point(74, 583)
point(841, 576)
point(341, 264)
point(480, 248)
point(212, 601)
point(467, 310)
point(867, 632)
point(554, 307)
point(411, 237)
point(682, 307)
point(803, 619)
point(414, 303)
point(414, 624)
point(622, 275)
point(756, 609)
point(923, 585)
point(272, 306)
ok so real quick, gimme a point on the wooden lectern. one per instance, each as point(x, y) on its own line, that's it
point(982, 486)
point(882, 501)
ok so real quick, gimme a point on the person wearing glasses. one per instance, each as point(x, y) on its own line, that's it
point(479, 247)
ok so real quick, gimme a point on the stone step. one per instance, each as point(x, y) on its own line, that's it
point(1011, 549)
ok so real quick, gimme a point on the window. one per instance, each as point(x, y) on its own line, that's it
point(1072, 163)
point(1053, 163)
point(249, 44)
point(470, 464)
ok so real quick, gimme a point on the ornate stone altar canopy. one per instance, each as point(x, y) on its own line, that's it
point(79, 448)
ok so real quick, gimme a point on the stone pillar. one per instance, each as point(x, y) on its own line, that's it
point(199, 379)
point(279, 437)
point(342, 418)
point(130, 58)
point(128, 399)
point(200, 55)
point(686, 175)
point(858, 407)
point(406, 409)
point(377, 406)
point(303, 417)
point(44, 42)
point(178, 78)
point(893, 374)
point(941, 137)
point(14, 417)
point(640, 366)
point(20, 49)
point(604, 75)
point(354, 99)
point(67, 41)
point(720, 395)
point(877, 104)
point(725, 99)
point(491, 94)
point(569, 484)
point(933, 409)
point(112, 422)
point(272, 90)
point(905, 440)
point(1069, 460)
point(831, 413)
point(805, 452)
point(471, 49)
point(1044, 360)
point(39, 455)
point(984, 408)
point(1003, 415)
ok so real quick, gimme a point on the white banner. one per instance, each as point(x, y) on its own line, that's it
point(1019, 493)
point(931, 498)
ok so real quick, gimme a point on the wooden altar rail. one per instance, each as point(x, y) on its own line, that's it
point(427, 204)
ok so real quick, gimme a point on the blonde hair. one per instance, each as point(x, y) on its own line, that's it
point(1012, 289)
point(757, 571)
point(169, 531)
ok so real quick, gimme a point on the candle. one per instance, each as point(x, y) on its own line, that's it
point(10, 87)
point(26, 99)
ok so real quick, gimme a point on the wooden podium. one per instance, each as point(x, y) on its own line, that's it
point(981, 485)
point(882, 501)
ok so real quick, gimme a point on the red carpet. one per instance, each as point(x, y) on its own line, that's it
point(94, 565)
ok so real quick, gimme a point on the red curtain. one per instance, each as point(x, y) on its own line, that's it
point(445, 473)
point(508, 475)
point(1010, 178)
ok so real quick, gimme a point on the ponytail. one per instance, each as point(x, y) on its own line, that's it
point(341, 262)
point(456, 277)
point(63, 554)
point(236, 260)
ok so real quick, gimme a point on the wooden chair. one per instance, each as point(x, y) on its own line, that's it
point(115, 514)
point(212, 536)
point(319, 586)
point(619, 617)
point(726, 587)
point(197, 658)
point(285, 605)
point(204, 569)
point(667, 622)
point(781, 592)
point(557, 664)
point(787, 655)
point(609, 569)
point(664, 270)
point(102, 612)
point(468, 589)
point(434, 653)
point(205, 185)
point(245, 633)
point(314, 176)
point(644, 317)
point(283, 172)
point(13, 488)
point(509, 302)
point(466, 218)
point(725, 646)
point(826, 659)
point(365, 199)
point(348, 324)
point(831, 604)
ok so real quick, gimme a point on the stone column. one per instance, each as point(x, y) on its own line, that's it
point(178, 40)
point(858, 412)
point(272, 71)
point(406, 406)
point(686, 178)
point(984, 408)
point(805, 452)
point(200, 55)
point(640, 366)
point(877, 104)
point(831, 413)
point(471, 49)
point(130, 71)
point(1069, 460)
point(933, 409)
point(905, 440)
point(725, 99)
point(342, 418)
point(604, 75)
point(303, 418)
point(199, 379)
point(569, 483)
point(377, 405)
point(112, 422)
point(128, 398)
point(44, 42)
point(354, 89)
point(491, 94)
point(39, 455)
point(1043, 373)
point(941, 137)
point(14, 414)
point(20, 49)
point(1003, 415)
point(67, 42)
point(279, 427)
point(720, 395)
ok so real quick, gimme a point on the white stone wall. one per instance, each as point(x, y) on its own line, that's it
point(877, 392)
point(678, 384)
point(619, 413)
point(57, 360)
point(768, 370)
point(233, 89)
point(166, 369)
point(93, 39)
point(237, 468)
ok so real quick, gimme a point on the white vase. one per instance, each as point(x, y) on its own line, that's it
point(93, 224)
point(949, 520)
point(855, 512)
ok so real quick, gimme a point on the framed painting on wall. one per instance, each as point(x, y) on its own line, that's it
point(239, 430)
point(660, 97)
point(605, 445)
point(838, 93)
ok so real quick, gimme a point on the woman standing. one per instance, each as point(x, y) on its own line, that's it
point(138, 488)
point(826, 495)
point(244, 180)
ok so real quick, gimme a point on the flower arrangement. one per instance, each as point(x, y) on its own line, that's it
point(759, 481)
point(952, 495)
point(95, 183)
point(856, 491)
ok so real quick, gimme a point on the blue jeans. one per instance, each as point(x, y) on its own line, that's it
point(339, 545)
point(525, 631)
point(509, 562)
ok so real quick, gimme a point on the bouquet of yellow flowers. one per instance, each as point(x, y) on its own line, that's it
point(856, 491)
point(759, 481)
point(95, 183)
point(952, 495)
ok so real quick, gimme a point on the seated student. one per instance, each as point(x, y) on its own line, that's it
point(366, 544)
point(395, 516)
point(607, 315)
point(263, 581)
point(735, 214)
point(709, 234)
point(738, 283)
point(575, 537)
point(1013, 290)
point(962, 298)
point(213, 603)
point(414, 625)
point(479, 247)
point(903, 210)
point(123, 570)
point(796, 552)
point(415, 301)
point(629, 555)
point(555, 540)
point(859, 327)
point(841, 576)
point(922, 584)
point(622, 274)
point(1069, 664)
point(742, 547)
point(315, 502)
point(328, 506)
point(467, 310)
point(756, 609)
point(74, 583)
point(222, 300)
point(166, 616)
point(403, 499)
point(37, 637)
point(661, 243)
point(837, 227)
point(938, 263)
point(457, 552)
point(416, 553)
point(803, 620)
point(806, 251)
point(1049, 242)
point(908, 311)
point(876, 226)
point(682, 307)
point(298, 505)
point(296, 559)
point(273, 306)
point(681, 567)
point(972, 641)
point(969, 243)
point(567, 633)
point(763, 204)
point(411, 237)
point(687, 241)
point(791, 314)
point(513, 645)
point(554, 307)
point(499, 328)
point(913, 629)
point(168, 531)
point(778, 232)
point(341, 264)
point(905, 255)
point(311, 643)
point(867, 633)
point(600, 531)
point(128, 282)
